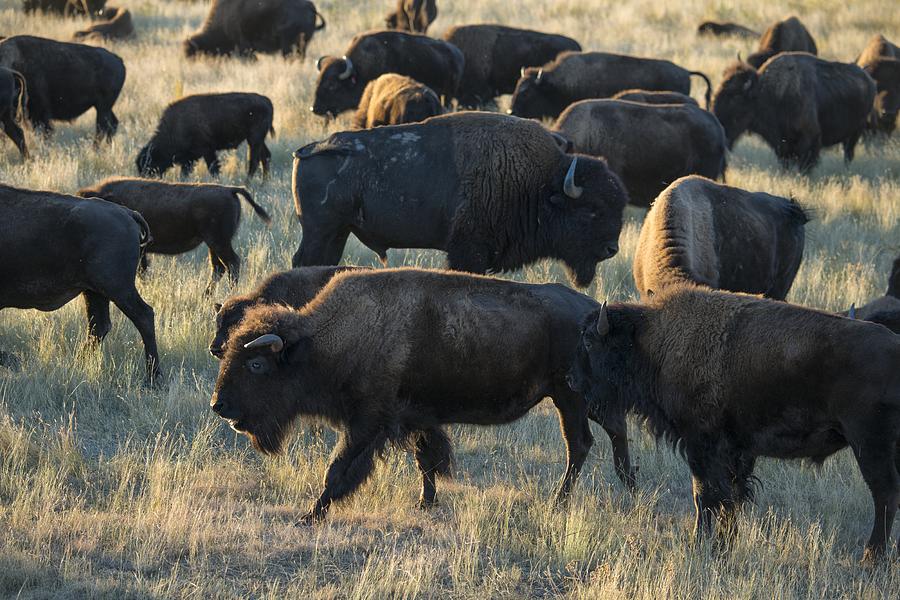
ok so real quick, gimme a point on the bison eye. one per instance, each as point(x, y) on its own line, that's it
point(256, 366)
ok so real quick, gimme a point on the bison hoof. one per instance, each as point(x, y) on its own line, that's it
point(309, 519)
point(872, 556)
point(426, 504)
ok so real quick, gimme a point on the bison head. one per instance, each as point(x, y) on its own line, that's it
point(258, 390)
point(533, 97)
point(735, 101)
point(228, 316)
point(338, 88)
point(886, 73)
point(151, 160)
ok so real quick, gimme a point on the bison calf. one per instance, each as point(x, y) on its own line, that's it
point(13, 98)
point(395, 99)
point(885, 310)
point(199, 126)
point(181, 216)
point(881, 60)
point(784, 36)
point(117, 25)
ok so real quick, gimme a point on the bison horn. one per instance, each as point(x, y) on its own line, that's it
point(540, 76)
point(270, 339)
point(572, 191)
point(319, 63)
point(739, 59)
point(852, 312)
point(603, 320)
point(348, 71)
point(522, 72)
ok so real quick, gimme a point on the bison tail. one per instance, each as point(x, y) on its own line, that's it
point(800, 214)
point(708, 95)
point(22, 100)
point(320, 26)
point(146, 237)
point(259, 210)
point(272, 130)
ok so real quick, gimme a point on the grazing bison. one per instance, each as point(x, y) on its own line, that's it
point(731, 377)
point(722, 237)
point(199, 126)
point(881, 60)
point(248, 26)
point(496, 55)
point(495, 192)
point(395, 99)
point(412, 15)
point(885, 310)
point(722, 29)
point(292, 288)
point(648, 145)
point(13, 98)
point(341, 82)
point(117, 25)
point(181, 216)
point(548, 90)
point(68, 8)
point(798, 104)
point(784, 36)
point(654, 97)
point(392, 356)
point(65, 80)
point(54, 247)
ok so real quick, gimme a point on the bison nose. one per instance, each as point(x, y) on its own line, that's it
point(611, 250)
point(216, 351)
point(219, 407)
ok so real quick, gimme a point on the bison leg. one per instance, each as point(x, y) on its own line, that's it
point(186, 168)
point(877, 459)
point(212, 163)
point(16, 134)
point(224, 255)
point(141, 314)
point(850, 147)
point(434, 457)
point(107, 124)
point(617, 430)
point(466, 253)
point(218, 269)
point(577, 434)
point(712, 471)
point(97, 307)
point(143, 265)
point(325, 250)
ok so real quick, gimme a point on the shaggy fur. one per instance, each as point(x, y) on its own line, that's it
point(199, 126)
point(885, 310)
point(732, 377)
point(82, 246)
point(117, 25)
point(13, 99)
point(722, 29)
point(181, 216)
point(493, 198)
point(655, 97)
point(395, 99)
point(648, 145)
point(784, 36)
point(881, 60)
point(722, 237)
point(412, 15)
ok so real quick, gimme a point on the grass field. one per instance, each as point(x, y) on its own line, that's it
point(108, 489)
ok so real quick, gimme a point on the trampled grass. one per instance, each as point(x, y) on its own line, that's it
point(108, 489)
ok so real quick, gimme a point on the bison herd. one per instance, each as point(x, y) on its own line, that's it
point(712, 359)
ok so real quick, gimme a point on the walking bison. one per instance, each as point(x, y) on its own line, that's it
point(395, 99)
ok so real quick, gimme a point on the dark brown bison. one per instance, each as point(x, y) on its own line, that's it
point(412, 15)
point(885, 310)
point(495, 192)
point(701, 232)
point(647, 97)
point(67, 8)
point(181, 216)
point(65, 80)
point(392, 356)
point(881, 60)
point(199, 126)
point(731, 377)
point(292, 288)
point(117, 24)
point(648, 145)
point(722, 29)
point(798, 104)
point(247, 26)
point(546, 91)
point(341, 82)
point(496, 55)
point(13, 99)
point(54, 247)
point(395, 99)
point(784, 36)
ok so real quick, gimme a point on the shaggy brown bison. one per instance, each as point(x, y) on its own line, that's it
point(495, 192)
point(798, 104)
point(341, 82)
point(117, 24)
point(412, 15)
point(710, 234)
point(67, 8)
point(647, 97)
point(181, 216)
point(732, 377)
point(548, 90)
point(199, 126)
point(881, 60)
point(65, 80)
point(496, 55)
point(648, 145)
point(784, 36)
point(54, 247)
point(395, 99)
point(885, 310)
point(13, 98)
point(248, 26)
point(392, 356)
point(722, 29)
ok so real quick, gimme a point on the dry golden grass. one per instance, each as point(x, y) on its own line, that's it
point(108, 489)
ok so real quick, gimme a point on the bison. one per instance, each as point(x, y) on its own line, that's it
point(65, 80)
point(647, 97)
point(395, 99)
point(784, 36)
point(732, 377)
point(798, 103)
point(392, 356)
point(54, 247)
point(496, 55)
point(885, 310)
point(181, 216)
point(341, 81)
point(117, 24)
point(722, 237)
point(881, 60)
point(548, 90)
point(67, 8)
point(648, 145)
point(495, 192)
point(13, 98)
point(199, 126)
point(721, 29)
point(412, 15)
point(248, 26)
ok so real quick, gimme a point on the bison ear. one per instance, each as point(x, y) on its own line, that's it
point(296, 352)
point(217, 307)
point(851, 314)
